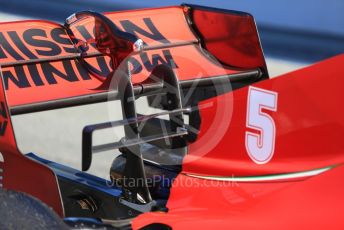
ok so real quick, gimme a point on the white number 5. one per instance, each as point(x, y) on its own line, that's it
point(260, 146)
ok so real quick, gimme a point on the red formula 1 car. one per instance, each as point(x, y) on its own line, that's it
point(226, 148)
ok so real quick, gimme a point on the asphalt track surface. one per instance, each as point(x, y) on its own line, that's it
point(56, 135)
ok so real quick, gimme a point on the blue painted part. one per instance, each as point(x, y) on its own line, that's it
point(77, 176)
point(82, 219)
point(86, 223)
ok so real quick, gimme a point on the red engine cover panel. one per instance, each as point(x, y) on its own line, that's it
point(309, 135)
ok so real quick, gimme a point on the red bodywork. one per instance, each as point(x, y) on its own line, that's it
point(309, 124)
point(299, 186)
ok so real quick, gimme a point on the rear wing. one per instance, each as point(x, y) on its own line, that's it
point(41, 66)
point(42, 69)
